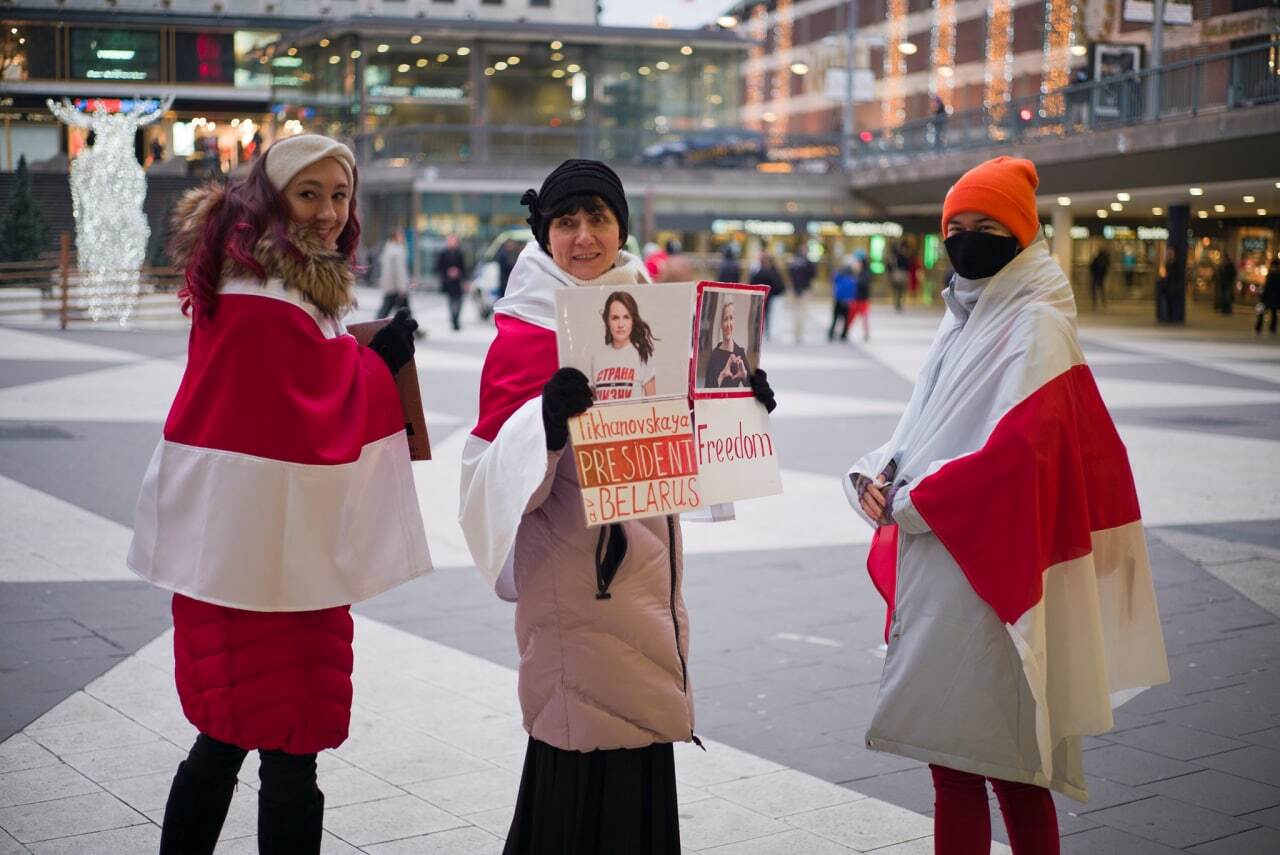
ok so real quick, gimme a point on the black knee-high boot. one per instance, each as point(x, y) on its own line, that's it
point(290, 828)
point(195, 811)
point(290, 805)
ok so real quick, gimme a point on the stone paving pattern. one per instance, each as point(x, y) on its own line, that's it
point(786, 628)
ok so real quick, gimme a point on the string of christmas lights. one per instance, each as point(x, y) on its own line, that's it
point(781, 93)
point(1059, 36)
point(755, 66)
point(942, 49)
point(998, 75)
point(893, 109)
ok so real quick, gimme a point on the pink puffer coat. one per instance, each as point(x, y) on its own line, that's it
point(599, 673)
point(595, 673)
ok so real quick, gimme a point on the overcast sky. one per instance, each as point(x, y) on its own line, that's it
point(680, 13)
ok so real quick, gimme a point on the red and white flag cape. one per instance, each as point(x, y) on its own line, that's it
point(283, 480)
point(1013, 462)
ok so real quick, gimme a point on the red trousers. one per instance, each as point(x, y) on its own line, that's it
point(962, 821)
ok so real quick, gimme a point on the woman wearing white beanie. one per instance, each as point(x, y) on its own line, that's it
point(280, 494)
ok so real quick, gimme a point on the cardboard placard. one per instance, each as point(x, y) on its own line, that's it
point(648, 351)
point(737, 458)
point(728, 335)
point(635, 460)
point(415, 420)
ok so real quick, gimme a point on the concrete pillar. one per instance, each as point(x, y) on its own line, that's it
point(1061, 247)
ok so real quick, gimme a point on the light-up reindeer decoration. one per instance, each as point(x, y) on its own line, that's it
point(108, 187)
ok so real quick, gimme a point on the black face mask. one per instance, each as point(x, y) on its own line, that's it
point(977, 255)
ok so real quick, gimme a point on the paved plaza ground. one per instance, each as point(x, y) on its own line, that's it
point(786, 628)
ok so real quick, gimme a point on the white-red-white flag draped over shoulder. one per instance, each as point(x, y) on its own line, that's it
point(283, 481)
point(1022, 603)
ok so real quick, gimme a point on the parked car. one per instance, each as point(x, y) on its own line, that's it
point(718, 147)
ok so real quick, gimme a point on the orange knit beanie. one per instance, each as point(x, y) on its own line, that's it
point(1003, 188)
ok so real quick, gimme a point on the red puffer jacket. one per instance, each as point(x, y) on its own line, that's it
point(276, 680)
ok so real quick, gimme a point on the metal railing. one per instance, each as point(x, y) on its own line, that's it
point(54, 288)
point(1235, 79)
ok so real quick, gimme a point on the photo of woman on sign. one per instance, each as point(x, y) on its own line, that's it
point(621, 370)
point(727, 367)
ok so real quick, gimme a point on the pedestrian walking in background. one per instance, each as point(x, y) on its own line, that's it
point(677, 267)
point(898, 264)
point(913, 274)
point(393, 274)
point(843, 288)
point(1226, 284)
point(280, 493)
point(1163, 309)
point(1098, 267)
point(506, 258)
point(860, 307)
point(730, 269)
point(801, 271)
point(1129, 266)
point(938, 124)
point(655, 258)
point(765, 272)
point(1009, 543)
point(600, 617)
point(451, 266)
point(1269, 300)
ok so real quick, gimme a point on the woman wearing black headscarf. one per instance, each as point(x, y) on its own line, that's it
point(600, 618)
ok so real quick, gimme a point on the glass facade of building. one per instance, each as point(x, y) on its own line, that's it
point(432, 99)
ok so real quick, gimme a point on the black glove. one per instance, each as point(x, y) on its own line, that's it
point(394, 342)
point(762, 390)
point(566, 394)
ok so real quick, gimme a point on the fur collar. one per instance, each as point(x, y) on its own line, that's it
point(321, 275)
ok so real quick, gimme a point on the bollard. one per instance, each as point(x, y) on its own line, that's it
point(65, 264)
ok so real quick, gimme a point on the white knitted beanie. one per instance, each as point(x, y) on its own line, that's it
point(289, 156)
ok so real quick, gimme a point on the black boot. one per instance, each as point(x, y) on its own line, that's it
point(290, 828)
point(194, 813)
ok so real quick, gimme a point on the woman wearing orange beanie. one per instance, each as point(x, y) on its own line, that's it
point(1009, 543)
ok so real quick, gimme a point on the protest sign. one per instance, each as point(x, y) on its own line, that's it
point(729, 330)
point(646, 350)
point(632, 342)
point(737, 457)
point(635, 460)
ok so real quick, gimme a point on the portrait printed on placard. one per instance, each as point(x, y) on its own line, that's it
point(631, 342)
point(730, 326)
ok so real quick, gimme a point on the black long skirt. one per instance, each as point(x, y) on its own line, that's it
point(619, 802)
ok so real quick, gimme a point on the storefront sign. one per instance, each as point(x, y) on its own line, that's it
point(1079, 232)
point(1153, 233)
point(1229, 27)
point(100, 54)
point(848, 228)
point(761, 228)
point(426, 93)
point(116, 105)
point(1143, 12)
point(865, 229)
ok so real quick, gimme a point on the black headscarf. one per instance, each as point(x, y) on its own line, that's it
point(575, 177)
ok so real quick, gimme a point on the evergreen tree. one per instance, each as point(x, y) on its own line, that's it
point(22, 227)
